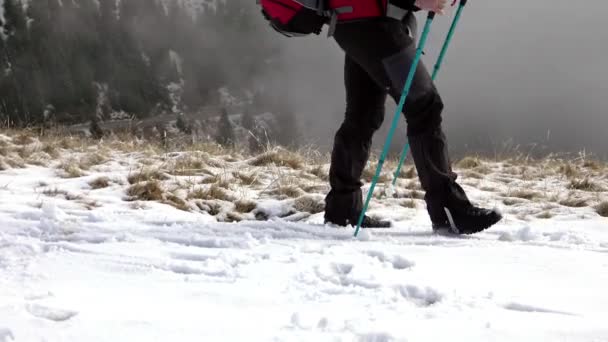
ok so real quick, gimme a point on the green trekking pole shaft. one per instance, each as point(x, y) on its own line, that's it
point(436, 69)
point(389, 138)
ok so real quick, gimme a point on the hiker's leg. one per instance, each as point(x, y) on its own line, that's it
point(385, 51)
point(364, 115)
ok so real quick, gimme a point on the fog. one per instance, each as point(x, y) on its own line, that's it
point(520, 75)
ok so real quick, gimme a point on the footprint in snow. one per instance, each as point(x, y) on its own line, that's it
point(342, 269)
point(534, 309)
point(420, 296)
point(6, 335)
point(52, 314)
point(397, 261)
point(375, 337)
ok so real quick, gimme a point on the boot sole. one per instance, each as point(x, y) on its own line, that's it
point(448, 230)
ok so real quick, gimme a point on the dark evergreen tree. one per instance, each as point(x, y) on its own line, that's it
point(225, 130)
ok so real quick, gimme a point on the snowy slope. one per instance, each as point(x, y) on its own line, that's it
point(83, 264)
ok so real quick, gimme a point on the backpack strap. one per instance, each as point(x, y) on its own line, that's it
point(333, 18)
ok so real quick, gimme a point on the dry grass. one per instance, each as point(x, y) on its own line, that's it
point(310, 204)
point(188, 165)
point(290, 191)
point(214, 192)
point(545, 215)
point(602, 209)
point(279, 157)
point(472, 174)
point(248, 179)
point(568, 169)
point(177, 202)
point(524, 194)
point(488, 188)
point(409, 203)
point(210, 207)
point(146, 176)
point(574, 202)
point(320, 171)
point(92, 159)
point(55, 192)
point(89, 204)
point(408, 173)
point(100, 183)
point(370, 171)
point(244, 206)
point(469, 163)
point(585, 185)
point(217, 180)
point(149, 191)
point(71, 168)
point(592, 164)
point(233, 217)
point(512, 201)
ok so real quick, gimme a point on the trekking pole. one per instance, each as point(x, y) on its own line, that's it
point(389, 138)
point(436, 69)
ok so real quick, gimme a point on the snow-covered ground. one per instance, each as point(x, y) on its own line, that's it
point(84, 264)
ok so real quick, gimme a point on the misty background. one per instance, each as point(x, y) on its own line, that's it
point(521, 73)
point(519, 76)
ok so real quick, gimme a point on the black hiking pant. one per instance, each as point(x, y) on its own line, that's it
point(379, 54)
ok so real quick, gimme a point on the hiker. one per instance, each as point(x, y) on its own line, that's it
point(379, 51)
point(378, 38)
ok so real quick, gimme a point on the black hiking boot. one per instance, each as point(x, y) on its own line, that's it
point(467, 220)
point(368, 222)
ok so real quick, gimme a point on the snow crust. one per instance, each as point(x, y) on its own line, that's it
point(155, 273)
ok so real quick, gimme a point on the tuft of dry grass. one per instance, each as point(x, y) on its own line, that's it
point(310, 204)
point(321, 172)
point(568, 170)
point(92, 159)
point(408, 174)
point(248, 179)
point(488, 188)
point(585, 185)
point(177, 202)
point(214, 192)
point(244, 206)
point(55, 192)
point(469, 163)
point(602, 209)
point(574, 202)
point(24, 138)
point(592, 164)
point(409, 203)
point(149, 191)
point(188, 165)
point(71, 168)
point(146, 176)
point(472, 174)
point(290, 191)
point(233, 217)
point(279, 157)
point(210, 207)
point(524, 194)
point(100, 183)
point(370, 171)
point(545, 215)
point(512, 201)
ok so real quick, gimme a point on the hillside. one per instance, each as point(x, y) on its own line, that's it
point(126, 240)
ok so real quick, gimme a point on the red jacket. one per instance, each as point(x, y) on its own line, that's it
point(366, 9)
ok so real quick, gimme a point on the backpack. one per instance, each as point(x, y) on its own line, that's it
point(295, 18)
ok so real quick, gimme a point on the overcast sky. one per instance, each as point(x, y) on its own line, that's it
point(533, 72)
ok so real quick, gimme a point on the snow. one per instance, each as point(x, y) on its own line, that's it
point(155, 273)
